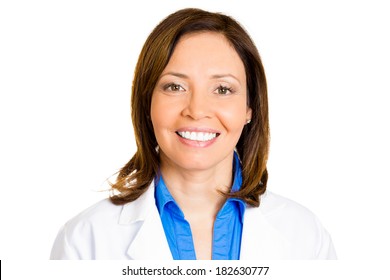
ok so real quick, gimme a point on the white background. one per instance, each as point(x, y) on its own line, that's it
point(66, 70)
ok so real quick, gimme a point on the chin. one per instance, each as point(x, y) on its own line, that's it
point(195, 161)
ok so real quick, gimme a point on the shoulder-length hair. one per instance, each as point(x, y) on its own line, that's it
point(253, 146)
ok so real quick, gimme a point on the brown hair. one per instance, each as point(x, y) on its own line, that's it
point(136, 176)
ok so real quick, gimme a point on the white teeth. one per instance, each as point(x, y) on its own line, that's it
point(193, 136)
point(197, 136)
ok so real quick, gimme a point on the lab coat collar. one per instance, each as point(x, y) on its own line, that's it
point(260, 240)
point(150, 241)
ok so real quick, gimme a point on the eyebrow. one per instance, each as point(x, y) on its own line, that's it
point(176, 74)
point(224, 76)
point(216, 76)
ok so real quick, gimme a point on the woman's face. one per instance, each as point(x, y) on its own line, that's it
point(199, 104)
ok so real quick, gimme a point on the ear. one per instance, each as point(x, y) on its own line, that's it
point(248, 115)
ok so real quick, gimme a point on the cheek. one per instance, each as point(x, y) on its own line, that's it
point(232, 116)
point(163, 114)
point(156, 111)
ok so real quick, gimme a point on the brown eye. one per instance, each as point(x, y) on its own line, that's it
point(173, 87)
point(223, 90)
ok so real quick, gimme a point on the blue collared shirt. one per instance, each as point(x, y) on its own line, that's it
point(228, 224)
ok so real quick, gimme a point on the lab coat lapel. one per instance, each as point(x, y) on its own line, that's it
point(260, 240)
point(150, 241)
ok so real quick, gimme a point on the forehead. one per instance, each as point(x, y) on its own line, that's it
point(205, 38)
point(209, 51)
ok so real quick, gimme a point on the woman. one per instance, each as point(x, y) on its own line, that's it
point(196, 187)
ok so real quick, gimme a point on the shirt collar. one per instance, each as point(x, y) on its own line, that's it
point(163, 196)
point(237, 173)
point(237, 182)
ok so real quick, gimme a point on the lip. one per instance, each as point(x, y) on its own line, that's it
point(196, 143)
point(198, 129)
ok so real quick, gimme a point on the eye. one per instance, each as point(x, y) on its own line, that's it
point(222, 90)
point(173, 87)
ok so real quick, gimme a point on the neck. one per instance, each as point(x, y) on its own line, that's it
point(198, 192)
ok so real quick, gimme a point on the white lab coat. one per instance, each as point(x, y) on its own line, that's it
point(278, 229)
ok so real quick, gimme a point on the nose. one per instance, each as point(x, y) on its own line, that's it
point(198, 106)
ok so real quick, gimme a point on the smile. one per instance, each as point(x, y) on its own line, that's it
point(197, 136)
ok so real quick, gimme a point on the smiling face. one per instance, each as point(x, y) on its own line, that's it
point(199, 104)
